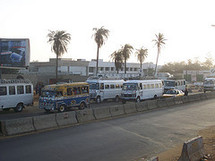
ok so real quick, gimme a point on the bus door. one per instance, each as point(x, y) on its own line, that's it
point(101, 91)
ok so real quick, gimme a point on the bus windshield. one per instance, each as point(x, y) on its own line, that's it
point(94, 86)
point(169, 83)
point(46, 93)
point(209, 82)
point(129, 86)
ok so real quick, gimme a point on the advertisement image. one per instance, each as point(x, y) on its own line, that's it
point(14, 52)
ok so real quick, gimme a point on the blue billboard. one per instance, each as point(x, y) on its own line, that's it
point(14, 52)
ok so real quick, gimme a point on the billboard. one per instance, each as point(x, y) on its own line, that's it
point(14, 52)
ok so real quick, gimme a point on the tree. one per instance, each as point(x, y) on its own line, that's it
point(126, 52)
point(99, 36)
point(159, 41)
point(116, 56)
point(141, 56)
point(59, 41)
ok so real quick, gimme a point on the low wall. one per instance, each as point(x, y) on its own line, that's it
point(29, 124)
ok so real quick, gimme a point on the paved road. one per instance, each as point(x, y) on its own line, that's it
point(121, 139)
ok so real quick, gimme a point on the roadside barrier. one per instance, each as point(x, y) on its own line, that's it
point(17, 126)
point(44, 121)
point(170, 101)
point(66, 118)
point(193, 98)
point(152, 104)
point(117, 110)
point(85, 115)
point(162, 103)
point(101, 113)
point(178, 100)
point(130, 107)
point(28, 124)
point(193, 150)
point(141, 106)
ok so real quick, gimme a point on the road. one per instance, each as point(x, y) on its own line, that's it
point(122, 139)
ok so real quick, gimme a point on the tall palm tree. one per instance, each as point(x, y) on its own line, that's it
point(116, 56)
point(59, 41)
point(100, 34)
point(159, 42)
point(126, 52)
point(141, 56)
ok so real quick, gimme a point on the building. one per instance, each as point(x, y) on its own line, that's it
point(80, 70)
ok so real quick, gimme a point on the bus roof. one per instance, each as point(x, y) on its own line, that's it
point(144, 81)
point(104, 81)
point(53, 86)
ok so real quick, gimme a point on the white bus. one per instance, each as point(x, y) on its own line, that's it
point(209, 84)
point(15, 94)
point(103, 89)
point(141, 89)
point(174, 84)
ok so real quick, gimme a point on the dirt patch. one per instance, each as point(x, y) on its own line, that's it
point(208, 135)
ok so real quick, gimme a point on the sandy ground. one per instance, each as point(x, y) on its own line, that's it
point(209, 147)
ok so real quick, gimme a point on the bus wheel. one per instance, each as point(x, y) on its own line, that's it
point(62, 108)
point(155, 96)
point(82, 106)
point(138, 99)
point(19, 107)
point(98, 99)
point(117, 99)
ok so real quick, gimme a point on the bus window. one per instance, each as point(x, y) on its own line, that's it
point(84, 89)
point(59, 93)
point(117, 86)
point(145, 86)
point(12, 90)
point(20, 89)
point(3, 91)
point(112, 86)
point(69, 91)
point(28, 89)
point(148, 86)
point(76, 90)
point(102, 86)
point(152, 86)
point(107, 86)
point(156, 85)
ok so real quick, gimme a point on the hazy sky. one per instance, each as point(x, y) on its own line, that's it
point(186, 24)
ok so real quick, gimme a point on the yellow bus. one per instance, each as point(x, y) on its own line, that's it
point(63, 96)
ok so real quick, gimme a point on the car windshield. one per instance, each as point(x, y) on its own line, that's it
point(169, 83)
point(171, 92)
point(130, 86)
point(46, 93)
point(94, 86)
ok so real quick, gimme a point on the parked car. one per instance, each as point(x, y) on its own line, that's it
point(173, 93)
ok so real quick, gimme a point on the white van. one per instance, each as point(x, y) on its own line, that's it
point(102, 89)
point(15, 94)
point(209, 84)
point(174, 84)
point(141, 89)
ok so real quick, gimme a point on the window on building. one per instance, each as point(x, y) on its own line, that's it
point(3, 91)
point(112, 68)
point(91, 69)
point(107, 68)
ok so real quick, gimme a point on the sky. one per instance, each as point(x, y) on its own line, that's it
point(186, 24)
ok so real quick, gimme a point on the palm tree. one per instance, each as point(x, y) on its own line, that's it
point(99, 36)
point(126, 52)
point(159, 41)
point(116, 56)
point(59, 41)
point(141, 56)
